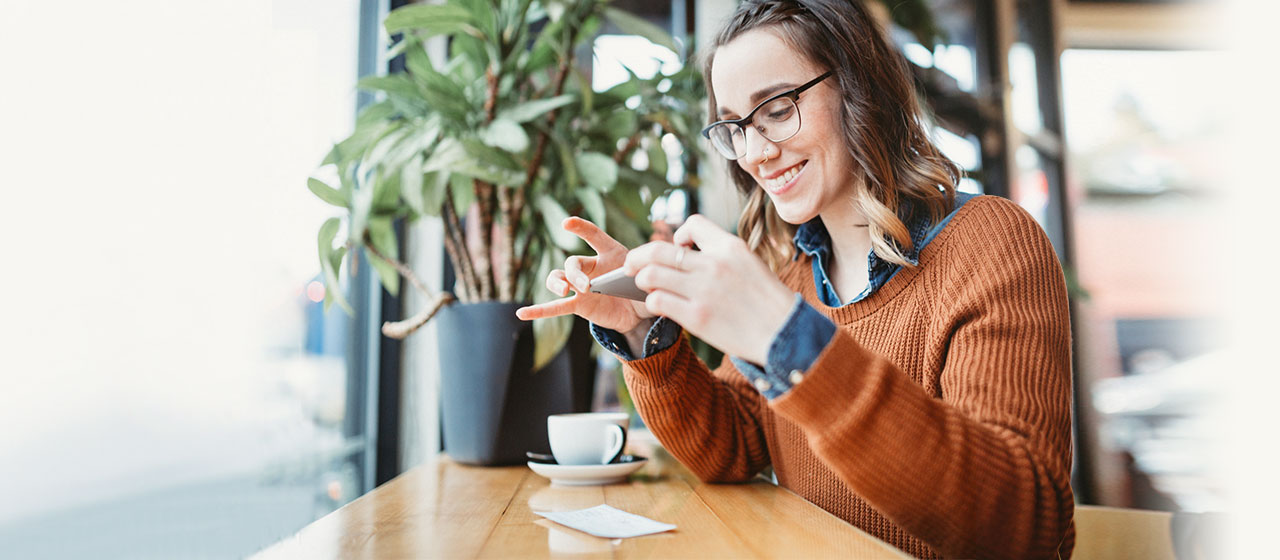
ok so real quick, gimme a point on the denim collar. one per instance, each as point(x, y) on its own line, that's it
point(812, 239)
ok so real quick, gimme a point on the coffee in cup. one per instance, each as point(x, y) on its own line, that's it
point(590, 438)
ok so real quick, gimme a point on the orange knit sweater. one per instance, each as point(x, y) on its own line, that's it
point(938, 417)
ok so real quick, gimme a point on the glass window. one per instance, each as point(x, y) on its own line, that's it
point(1145, 188)
point(172, 387)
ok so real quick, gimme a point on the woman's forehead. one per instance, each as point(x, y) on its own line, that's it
point(753, 66)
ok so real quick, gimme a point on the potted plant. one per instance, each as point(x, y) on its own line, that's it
point(502, 138)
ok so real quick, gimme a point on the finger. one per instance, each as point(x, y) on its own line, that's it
point(562, 306)
point(557, 283)
point(648, 254)
point(700, 231)
point(593, 235)
point(667, 279)
point(578, 271)
point(663, 254)
point(678, 308)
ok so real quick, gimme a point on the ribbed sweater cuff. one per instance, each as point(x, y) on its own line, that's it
point(856, 407)
point(653, 373)
point(809, 403)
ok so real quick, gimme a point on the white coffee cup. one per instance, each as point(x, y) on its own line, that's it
point(590, 438)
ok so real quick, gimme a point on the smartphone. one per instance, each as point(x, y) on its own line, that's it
point(616, 283)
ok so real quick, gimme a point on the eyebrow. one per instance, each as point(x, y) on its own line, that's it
point(759, 95)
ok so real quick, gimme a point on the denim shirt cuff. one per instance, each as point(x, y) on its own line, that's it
point(662, 335)
point(797, 345)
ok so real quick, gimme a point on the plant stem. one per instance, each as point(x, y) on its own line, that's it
point(456, 245)
point(524, 263)
point(507, 281)
point(626, 148)
point(531, 174)
point(400, 267)
point(400, 329)
point(481, 256)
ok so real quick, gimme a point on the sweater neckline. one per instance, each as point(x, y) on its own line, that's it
point(860, 309)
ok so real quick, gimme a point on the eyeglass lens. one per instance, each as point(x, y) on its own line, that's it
point(777, 121)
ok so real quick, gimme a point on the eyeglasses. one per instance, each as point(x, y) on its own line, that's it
point(778, 120)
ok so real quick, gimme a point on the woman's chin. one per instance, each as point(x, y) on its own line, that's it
point(793, 216)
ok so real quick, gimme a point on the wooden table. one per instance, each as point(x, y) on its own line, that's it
point(443, 509)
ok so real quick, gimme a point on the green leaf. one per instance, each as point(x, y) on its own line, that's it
point(361, 208)
point(585, 89)
point(434, 190)
point(447, 152)
point(463, 194)
point(411, 184)
point(550, 334)
point(593, 203)
point(386, 194)
point(657, 158)
point(598, 170)
point(631, 24)
point(530, 110)
point(431, 19)
point(490, 157)
point(379, 149)
point(620, 124)
point(553, 215)
point(398, 84)
point(333, 288)
point(444, 95)
point(543, 53)
point(505, 134)
point(383, 236)
point(488, 173)
point(567, 167)
point(623, 226)
point(326, 193)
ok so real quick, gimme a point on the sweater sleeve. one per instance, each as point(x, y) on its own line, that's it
point(709, 421)
point(984, 470)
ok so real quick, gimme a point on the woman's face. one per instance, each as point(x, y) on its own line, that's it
point(806, 174)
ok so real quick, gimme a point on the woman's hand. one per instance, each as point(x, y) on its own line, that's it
point(723, 293)
point(622, 315)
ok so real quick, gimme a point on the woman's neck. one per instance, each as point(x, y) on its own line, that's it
point(850, 245)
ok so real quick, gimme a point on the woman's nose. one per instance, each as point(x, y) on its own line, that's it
point(757, 144)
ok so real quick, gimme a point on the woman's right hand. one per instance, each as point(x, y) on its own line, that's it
point(619, 314)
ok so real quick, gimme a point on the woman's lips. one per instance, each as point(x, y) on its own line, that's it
point(784, 181)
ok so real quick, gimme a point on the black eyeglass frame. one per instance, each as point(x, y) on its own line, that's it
point(743, 122)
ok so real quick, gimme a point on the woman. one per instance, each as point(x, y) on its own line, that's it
point(898, 352)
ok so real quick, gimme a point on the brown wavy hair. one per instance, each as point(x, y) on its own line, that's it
point(897, 168)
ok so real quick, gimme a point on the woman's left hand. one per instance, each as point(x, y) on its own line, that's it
point(722, 293)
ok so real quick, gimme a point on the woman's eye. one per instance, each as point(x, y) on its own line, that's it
point(780, 113)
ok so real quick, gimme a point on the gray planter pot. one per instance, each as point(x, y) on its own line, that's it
point(493, 407)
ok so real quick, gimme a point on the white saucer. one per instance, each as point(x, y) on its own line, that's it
point(587, 475)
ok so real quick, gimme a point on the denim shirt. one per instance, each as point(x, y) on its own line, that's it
point(806, 331)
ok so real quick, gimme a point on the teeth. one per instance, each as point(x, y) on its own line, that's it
point(777, 182)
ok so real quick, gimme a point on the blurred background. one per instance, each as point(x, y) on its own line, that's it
point(170, 385)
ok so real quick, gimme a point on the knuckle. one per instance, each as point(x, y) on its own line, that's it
point(653, 303)
point(699, 314)
point(645, 278)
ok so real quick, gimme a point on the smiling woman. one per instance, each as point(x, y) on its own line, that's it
point(897, 352)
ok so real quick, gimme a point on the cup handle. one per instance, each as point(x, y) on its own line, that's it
point(620, 441)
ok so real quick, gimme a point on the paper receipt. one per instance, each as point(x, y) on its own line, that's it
point(606, 521)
